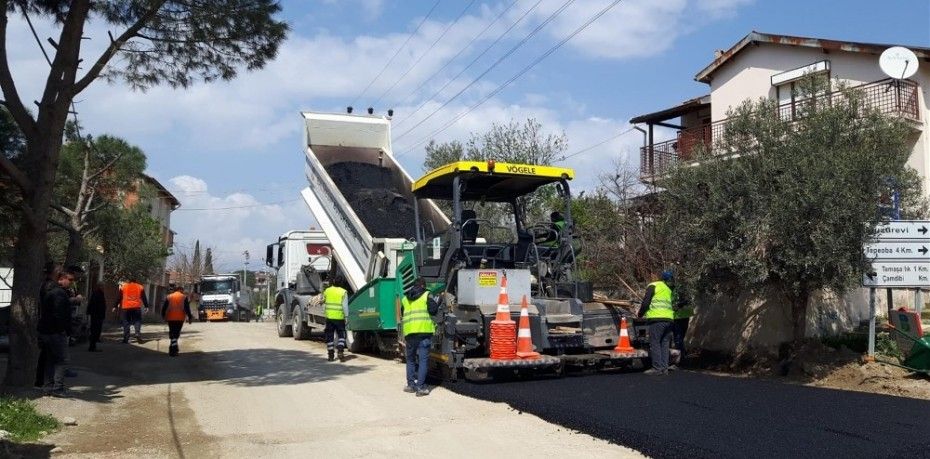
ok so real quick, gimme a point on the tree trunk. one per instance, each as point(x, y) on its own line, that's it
point(30, 253)
point(799, 304)
point(28, 261)
point(75, 247)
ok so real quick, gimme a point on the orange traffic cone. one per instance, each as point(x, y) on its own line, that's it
point(503, 301)
point(623, 344)
point(524, 335)
point(503, 330)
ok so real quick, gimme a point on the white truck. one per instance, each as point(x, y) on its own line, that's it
point(223, 298)
point(302, 259)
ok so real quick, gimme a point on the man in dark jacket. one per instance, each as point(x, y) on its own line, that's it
point(97, 311)
point(415, 313)
point(54, 328)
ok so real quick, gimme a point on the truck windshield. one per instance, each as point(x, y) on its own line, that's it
point(216, 286)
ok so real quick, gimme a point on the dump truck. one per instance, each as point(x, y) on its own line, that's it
point(362, 201)
point(222, 298)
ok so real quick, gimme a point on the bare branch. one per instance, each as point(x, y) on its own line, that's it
point(106, 166)
point(115, 45)
point(19, 178)
point(64, 210)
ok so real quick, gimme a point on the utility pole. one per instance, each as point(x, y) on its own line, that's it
point(245, 268)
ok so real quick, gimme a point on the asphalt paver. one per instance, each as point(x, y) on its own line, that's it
point(689, 414)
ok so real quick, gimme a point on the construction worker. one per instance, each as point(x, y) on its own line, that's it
point(557, 221)
point(683, 313)
point(97, 311)
point(54, 327)
point(417, 309)
point(174, 310)
point(335, 308)
point(132, 303)
point(656, 308)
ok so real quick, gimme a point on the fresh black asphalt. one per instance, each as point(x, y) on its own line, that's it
point(688, 414)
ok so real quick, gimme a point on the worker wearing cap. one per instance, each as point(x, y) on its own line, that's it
point(132, 303)
point(657, 309)
point(417, 309)
point(335, 308)
point(175, 309)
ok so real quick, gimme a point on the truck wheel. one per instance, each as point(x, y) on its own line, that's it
point(355, 341)
point(301, 330)
point(284, 328)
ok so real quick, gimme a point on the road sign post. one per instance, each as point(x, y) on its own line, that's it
point(900, 257)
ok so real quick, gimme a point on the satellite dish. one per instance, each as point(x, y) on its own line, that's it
point(898, 62)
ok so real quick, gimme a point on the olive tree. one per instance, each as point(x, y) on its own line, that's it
point(788, 202)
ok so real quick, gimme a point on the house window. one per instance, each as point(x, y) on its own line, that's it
point(790, 90)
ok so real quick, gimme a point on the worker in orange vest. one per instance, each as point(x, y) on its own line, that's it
point(132, 303)
point(175, 309)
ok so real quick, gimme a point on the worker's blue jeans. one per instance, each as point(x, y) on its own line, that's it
point(417, 360)
point(660, 336)
point(131, 317)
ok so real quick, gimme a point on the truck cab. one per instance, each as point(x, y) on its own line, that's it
point(302, 259)
point(222, 298)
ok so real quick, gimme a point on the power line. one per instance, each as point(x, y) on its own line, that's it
point(495, 64)
point(247, 206)
point(586, 149)
point(402, 46)
point(516, 76)
point(464, 48)
point(470, 64)
point(431, 46)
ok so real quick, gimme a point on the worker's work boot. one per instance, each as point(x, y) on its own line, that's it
point(342, 356)
point(332, 357)
point(423, 391)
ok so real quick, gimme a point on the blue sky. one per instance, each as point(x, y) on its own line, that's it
point(238, 143)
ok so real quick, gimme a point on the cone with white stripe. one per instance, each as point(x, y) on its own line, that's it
point(623, 344)
point(524, 336)
point(503, 301)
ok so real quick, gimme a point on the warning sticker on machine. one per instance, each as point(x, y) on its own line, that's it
point(487, 278)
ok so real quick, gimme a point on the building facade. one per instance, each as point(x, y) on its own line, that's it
point(772, 66)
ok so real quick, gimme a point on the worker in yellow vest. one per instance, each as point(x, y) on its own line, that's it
point(132, 303)
point(417, 308)
point(683, 313)
point(175, 309)
point(335, 308)
point(657, 309)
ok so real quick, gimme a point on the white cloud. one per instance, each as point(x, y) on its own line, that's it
point(240, 222)
point(633, 28)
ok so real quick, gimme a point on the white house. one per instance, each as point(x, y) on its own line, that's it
point(769, 66)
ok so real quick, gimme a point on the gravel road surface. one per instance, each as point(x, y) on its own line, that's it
point(690, 414)
point(237, 390)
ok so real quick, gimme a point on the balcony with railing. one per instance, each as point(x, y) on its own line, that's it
point(889, 96)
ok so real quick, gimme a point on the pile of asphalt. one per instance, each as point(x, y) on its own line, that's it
point(688, 414)
point(369, 190)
